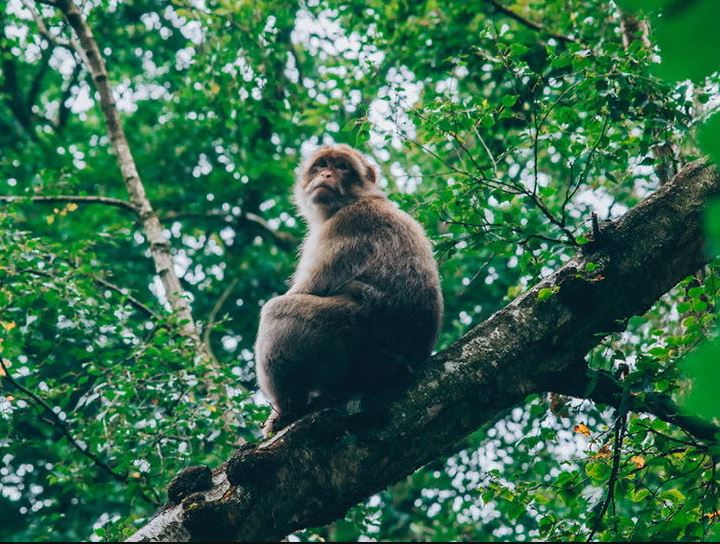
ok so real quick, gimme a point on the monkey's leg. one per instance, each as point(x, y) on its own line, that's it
point(305, 344)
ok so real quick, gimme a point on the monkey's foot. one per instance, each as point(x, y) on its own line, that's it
point(274, 424)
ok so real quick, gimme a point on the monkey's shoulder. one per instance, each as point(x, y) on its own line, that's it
point(373, 216)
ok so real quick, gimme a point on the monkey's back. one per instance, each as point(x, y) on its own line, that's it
point(404, 303)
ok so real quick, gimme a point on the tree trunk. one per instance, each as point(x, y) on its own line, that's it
point(159, 245)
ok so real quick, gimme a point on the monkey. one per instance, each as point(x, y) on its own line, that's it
point(364, 305)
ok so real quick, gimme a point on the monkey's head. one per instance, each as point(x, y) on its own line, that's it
point(333, 177)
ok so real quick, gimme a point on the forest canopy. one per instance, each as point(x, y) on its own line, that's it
point(147, 144)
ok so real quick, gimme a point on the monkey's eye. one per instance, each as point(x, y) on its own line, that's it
point(321, 163)
point(342, 166)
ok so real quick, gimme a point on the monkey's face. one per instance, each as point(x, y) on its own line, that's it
point(334, 177)
point(329, 180)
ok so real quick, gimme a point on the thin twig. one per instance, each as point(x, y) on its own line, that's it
point(487, 150)
point(72, 45)
point(583, 175)
point(63, 427)
point(36, 84)
point(43, 29)
point(530, 24)
point(63, 110)
point(284, 239)
point(123, 292)
point(100, 281)
point(693, 443)
point(550, 216)
point(619, 435)
point(212, 321)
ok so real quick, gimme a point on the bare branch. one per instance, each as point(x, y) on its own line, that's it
point(43, 29)
point(36, 85)
point(77, 199)
point(603, 388)
point(212, 317)
point(63, 109)
point(284, 239)
point(617, 450)
point(528, 23)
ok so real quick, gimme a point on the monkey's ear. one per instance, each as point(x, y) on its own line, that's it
point(371, 173)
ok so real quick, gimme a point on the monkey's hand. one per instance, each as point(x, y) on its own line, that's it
point(361, 292)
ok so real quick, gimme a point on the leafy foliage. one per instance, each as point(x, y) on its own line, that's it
point(503, 135)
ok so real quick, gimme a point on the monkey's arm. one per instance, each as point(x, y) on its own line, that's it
point(327, 282)
point(336, 268)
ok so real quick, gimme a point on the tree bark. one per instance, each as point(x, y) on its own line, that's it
point(314, 470)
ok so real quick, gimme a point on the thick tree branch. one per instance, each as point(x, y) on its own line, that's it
point(314, 470)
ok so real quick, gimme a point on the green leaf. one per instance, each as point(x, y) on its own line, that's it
point(582, 240)
point(709, 137)
point(509, 100)
point(639, 494)
point(546, 292)
point(598, 471)
point(703, 367)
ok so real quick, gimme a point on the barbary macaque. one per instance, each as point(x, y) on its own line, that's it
point(365, 303)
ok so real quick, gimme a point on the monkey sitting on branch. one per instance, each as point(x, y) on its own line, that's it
point(365, 303)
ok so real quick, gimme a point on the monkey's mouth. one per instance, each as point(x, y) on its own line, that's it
point(318, 189)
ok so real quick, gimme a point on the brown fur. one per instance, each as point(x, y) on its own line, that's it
point(365, 300)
